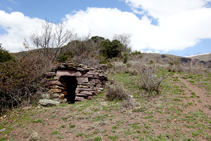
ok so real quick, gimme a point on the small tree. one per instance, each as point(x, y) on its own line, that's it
point(4, 55)
point(52, 39)
point(124, 40)
point(111, 49)
point(97, 39)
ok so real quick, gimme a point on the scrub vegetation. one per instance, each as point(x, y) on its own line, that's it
point(147, 97)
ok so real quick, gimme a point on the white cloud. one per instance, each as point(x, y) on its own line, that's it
point(17, 27)
point(165, 8)
point(181, 24)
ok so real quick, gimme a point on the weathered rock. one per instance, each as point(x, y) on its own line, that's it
point(95, 81)
point(82, 80)
point(56, 77)
point(83, 89)
point(55, 90)
point(87, 84)
point(90, 76)
point(56, 87)
point(101, 89)
point(86, 93)
point(55, 95)
point(82, 95)
point(64, 92)
point(82, 86)
point(45, 96)
point(63, 100)
point(92, 73)
point(62, 96)
point(51, 83)
point(90, 97)
point(68, 73)
point(79, 98)
point(48, 102)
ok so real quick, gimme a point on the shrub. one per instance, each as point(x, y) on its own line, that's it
point(62, 58)
point(128, 104)
point(136, 53)
point(120, 67)
point(151, 62)
point(125, 58)
point(4, 55)
point(111, 49)
point(116, 92)
point(132, 71)
point(20, 79)
point(175, 66)
point(149, 80)
point(92, 59)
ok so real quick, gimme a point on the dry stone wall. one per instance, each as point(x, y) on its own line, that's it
point(90, 81)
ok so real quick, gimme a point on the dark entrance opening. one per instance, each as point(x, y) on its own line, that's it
point(70, 82)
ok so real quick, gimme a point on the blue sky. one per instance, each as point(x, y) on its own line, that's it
point(179, 27)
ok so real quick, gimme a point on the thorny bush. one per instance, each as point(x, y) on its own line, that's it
point(21, 78)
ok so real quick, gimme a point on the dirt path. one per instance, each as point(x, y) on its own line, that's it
point(199, 97)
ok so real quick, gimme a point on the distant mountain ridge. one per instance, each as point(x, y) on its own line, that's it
point(202, 57)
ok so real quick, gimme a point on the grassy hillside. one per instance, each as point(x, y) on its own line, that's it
point(181, 111)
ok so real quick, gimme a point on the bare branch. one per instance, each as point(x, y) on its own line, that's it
point(52, 38)
point(124, 40)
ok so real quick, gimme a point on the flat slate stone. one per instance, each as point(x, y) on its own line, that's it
point(86, 93)
point(83, 89)
point(82, 95)
point(48, 102)
point(68, 73)
point(79, 98)
point(82, 80)
point(54, 83)
point(55, 90)
point(45, 96)
point(92, 73)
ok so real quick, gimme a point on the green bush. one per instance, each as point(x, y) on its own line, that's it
point(125, 58)
point(151, 62)
point(4, 55)
point(111, 49)
point(96, 39)
point(136, 53)
point(62, 58)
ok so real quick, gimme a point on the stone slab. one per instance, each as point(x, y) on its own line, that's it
point(55, 90)
point(82, 80)
point(51, 83)
point(48, 102)
point(86, 93)
point(68, 73)
point(79, 98)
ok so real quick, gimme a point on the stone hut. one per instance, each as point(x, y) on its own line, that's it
point(90, 81)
